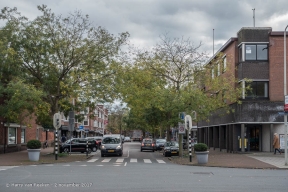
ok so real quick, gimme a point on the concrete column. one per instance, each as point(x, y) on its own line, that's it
point(242, 137)
point(271, 137)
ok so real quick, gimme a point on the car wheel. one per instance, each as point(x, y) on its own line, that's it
point(94, 149)
point(165, 154)
point(102, 155)
point(89, 150)
point(66, 150)
point(141, 150)
point(152, 150)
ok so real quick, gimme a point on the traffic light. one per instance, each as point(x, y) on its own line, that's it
point(57, 123)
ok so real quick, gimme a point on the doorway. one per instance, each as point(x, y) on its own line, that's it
point(254, 138)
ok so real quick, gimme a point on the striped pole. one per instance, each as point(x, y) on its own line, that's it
point(87, 148)
point(56, 144)
point(190, 154)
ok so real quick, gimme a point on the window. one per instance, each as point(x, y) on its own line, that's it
point(12, 139)
point(224, 64)
point(258, 89)
point(212, 73)
point(254, 52)
point(23, 134)
point(86, 120)
point(241, 53)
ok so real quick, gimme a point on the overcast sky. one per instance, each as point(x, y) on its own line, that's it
point(146, 20)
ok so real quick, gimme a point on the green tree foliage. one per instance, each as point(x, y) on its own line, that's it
point(65, 57)
point(173, 78)
point(24, 102)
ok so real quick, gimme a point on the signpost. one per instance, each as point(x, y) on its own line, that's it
point(57, 125)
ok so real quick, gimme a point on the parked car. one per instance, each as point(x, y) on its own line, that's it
point(97, 140)
point(159, 144)
point(148, 144)
point(111, 145)
point(127, 139)
point(171, 148)
point(77, 145)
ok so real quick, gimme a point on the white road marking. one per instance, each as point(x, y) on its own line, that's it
point(133, 160)
point(160, 161)
point(147, 161)
point(106, 160)
point(119, 160)
point(92, 160)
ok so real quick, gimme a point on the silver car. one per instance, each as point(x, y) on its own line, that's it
point(111, 145)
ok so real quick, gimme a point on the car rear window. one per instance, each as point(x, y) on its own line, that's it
point(161, 141)
point(147, 141)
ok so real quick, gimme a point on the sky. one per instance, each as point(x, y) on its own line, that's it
point(147, 20)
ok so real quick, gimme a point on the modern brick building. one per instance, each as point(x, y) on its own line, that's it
point(257, 54)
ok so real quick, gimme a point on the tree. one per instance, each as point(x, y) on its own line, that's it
point(174, 78)
point(24, 101)
point(65, 57)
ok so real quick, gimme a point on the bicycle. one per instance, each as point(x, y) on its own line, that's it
point(45, 144)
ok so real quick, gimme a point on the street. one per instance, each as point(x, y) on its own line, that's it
point(138, 171)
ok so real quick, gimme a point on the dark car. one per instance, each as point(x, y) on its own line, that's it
point(147, 144)
point(111, 145)
point(171, 148)
point(77, 145)
point(159, 144)
point(97, 140)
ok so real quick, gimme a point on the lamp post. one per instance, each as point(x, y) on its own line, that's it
point(285, 92)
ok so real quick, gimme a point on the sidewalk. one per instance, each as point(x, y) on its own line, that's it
point(257, 160)
point(46, 157)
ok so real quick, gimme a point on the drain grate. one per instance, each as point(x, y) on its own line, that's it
point(204, 173)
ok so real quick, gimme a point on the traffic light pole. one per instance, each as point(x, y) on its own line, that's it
point(56, 144)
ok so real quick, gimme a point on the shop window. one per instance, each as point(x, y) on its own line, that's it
point(12, 136)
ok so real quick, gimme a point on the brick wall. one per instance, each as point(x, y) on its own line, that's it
point(276, 68)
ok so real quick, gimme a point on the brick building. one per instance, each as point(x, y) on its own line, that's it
point(257, 54)
point(89, 126)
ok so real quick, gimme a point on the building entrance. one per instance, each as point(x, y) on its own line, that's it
point(254, 138)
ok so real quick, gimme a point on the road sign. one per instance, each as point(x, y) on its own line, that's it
point(56, 121)
point(81, 127)
point(181, 128)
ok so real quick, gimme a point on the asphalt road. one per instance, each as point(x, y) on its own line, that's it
point(138, 171)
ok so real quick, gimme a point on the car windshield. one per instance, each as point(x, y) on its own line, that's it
point(174, 144)
point(160, 141)
point(111, 140)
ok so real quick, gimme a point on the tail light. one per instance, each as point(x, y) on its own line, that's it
point(153, 144)
point(142, 144)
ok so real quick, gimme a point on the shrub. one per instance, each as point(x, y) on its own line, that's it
point(200, 147)
point(34, 144)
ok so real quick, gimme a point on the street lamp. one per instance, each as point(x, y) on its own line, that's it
point(285, 92)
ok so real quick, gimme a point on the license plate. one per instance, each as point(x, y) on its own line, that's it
point(147, 144)
point(173, 152)
point(110, 151)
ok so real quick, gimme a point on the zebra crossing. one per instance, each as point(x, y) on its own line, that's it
point(121, 160)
